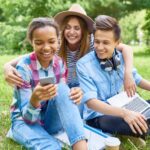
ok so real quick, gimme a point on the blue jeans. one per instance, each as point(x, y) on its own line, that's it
point(60, 113)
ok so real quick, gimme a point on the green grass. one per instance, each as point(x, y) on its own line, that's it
point(5, 101)
point(141, 61)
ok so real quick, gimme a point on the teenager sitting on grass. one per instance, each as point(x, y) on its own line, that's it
point(37, 111)
point(101, 76)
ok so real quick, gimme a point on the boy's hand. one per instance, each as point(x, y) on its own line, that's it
point(136, 121)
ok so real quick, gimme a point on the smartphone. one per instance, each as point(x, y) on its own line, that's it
point(47, 80)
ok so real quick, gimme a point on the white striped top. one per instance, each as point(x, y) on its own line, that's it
point(72, 58)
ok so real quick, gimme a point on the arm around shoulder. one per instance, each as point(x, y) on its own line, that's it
point(11, 74)
point(129, 84)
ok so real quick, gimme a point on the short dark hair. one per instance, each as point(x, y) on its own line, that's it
point(107, 23)
point(38, 23)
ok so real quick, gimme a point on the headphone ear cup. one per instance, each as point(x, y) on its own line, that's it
point(106, 65)
point(116, 62)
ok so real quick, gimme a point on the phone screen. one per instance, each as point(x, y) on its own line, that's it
point(47, 80)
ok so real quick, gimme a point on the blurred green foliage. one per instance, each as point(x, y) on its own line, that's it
point(131, 26)
point(146, 26)
point(16, 14)
point(11, 36)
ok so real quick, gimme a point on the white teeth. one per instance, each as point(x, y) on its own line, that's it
point(46, 53)
point(72, 38)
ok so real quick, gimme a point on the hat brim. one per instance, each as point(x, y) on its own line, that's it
point(62, 15)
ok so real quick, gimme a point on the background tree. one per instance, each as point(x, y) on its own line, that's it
point(116, 8)
point(146, 27)
point(16, 14)
point(131, 27)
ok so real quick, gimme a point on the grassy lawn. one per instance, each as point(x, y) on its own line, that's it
point(5, 101)
point(141, 61)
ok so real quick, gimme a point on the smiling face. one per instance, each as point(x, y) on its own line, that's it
point(73, 32)
point(104, 43)
point(45, 44)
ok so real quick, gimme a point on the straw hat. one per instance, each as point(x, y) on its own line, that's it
point(75, 10)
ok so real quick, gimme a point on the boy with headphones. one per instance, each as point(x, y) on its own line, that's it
point(101, 75)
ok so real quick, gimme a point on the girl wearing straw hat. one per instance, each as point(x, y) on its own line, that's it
point(77, 40)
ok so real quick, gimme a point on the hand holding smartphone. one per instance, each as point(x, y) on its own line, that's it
point(47, 80)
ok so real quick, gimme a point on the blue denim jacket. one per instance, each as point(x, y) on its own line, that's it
point(98, 83)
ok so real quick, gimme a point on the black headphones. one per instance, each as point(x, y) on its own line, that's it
point(110, 64)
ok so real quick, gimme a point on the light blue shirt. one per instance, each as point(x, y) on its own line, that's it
point(98, 83)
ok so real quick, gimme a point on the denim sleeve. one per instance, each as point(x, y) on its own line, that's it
point(29, 113)
point(137, 77)
point(86, 83)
